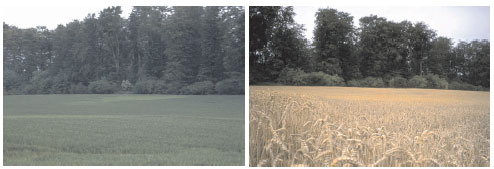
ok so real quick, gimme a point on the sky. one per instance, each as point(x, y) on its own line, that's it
point(459, 23)
point(32, 16)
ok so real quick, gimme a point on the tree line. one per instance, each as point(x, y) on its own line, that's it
point(378, 53)
point(165, 50)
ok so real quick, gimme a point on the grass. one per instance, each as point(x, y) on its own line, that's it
point(346, 126)
point(123, 130)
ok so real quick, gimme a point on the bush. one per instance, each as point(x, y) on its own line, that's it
point(204, 87)
point(78, 88)
point(322, 79)
point(150, 86)
point(417, 82)
point(371, 82)
point(230, 86)
point(145, 87)
point(11, 80)
point(435, 82)
point(101, 87)
point(299, 77)
point(464, 86)
point(126, 85)
point(398, 81)
point(168, 88)
point(41, 83)
point(60, 84)
point(291, 76)
point(353, 83)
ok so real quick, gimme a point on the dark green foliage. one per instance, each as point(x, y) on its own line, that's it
point(465, 86)
point(159, 49)
point(234, 84)
point(398, 81)
point(40, 83)
point(11, 80)
point(353, 83)
point(333, 43)
point(102, 87)
point(286, 48)
point(79, 88)
point(198, 88)
point(417, 82)
point(380, 53)
point(299, 77)
point(435, 82)
point(372, 82)
point(291, 76)
point(366, 82)
point(322, 79)
point(144, 87)
point(151, 87)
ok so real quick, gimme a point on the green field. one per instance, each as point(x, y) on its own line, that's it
point(123, 130)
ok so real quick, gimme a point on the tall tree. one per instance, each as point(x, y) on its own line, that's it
point(334, 45)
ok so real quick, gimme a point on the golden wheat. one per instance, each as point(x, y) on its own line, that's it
point(338, 126)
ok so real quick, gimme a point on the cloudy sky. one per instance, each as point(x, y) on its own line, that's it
point(465, 23)
point(32, 16)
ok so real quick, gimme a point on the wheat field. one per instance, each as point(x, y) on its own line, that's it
point(368, 127)
point(123, 130)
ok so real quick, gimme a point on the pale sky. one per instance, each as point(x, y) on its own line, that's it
point(465, 23)
point(32, 16)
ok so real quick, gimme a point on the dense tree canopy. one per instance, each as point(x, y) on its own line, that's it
point(377, 53)
point(167, 50)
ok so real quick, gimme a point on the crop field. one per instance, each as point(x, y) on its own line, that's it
point(123, 130)
point(373, 127)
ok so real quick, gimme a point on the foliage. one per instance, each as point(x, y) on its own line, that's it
point(101, 87)
point(199, 88)
point(435, 82)
point(234, 85)
point(398, 81)
point(79, 88)
point(11, 80)
point(126, 85)
point(379, 48)
point(291, 76)
point(299, 77)
point(417, 82)
point(176, 45)
point(464, 86)
point(353, 83)
point(371, 82)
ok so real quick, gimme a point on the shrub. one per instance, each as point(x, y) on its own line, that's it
point(101, 87)
point(126, 85)
point(60, 84)
point(322, 79)
point(144, 87)
point(464, 86)
point(78, 88)
point(353, 83)
point(168, 88)
point(291, 76)
point(372, 82)
point(299, 77)
point(417, 82)
point(41, 83)
point(11, 80)
point(435, 82)
point(398, 81)
point(230, 86)
point(204, 87)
